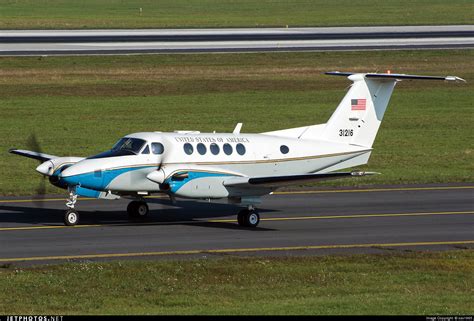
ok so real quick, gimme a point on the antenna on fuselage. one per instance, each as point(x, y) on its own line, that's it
point(237, 128)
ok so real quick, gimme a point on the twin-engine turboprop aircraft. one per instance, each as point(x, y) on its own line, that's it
point(236, 166)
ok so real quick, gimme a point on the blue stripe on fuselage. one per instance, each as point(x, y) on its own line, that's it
point(98, 180)
point(86, 192)
point(176, 183)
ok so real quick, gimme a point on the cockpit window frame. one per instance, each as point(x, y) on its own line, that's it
point(116, 152)
point(119, 145)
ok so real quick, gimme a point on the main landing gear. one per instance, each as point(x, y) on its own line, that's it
point(137, 209)
point(248, 217)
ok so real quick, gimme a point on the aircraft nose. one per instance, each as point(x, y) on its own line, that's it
point(83, 174)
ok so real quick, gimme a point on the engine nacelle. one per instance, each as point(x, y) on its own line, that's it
point(158, 176)
point(52, 166)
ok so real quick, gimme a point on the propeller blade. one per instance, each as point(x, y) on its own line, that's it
point(33, 144)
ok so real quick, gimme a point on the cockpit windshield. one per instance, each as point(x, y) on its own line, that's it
point(125, 146)
point(129, 144)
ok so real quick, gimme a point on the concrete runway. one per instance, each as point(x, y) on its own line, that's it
point(77, 42)
point(310, 222)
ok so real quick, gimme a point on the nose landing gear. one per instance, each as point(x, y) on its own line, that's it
point(71, 217)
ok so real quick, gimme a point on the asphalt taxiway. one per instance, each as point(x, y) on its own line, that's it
point(308, 222)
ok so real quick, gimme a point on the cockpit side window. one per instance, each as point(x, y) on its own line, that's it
point(146, 150)
point(157, 148)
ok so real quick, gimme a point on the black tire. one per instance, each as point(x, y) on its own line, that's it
point(252, 219)
point(241, 217)
point(131, 208)
point(138, 209)
point(248, 218)
point(71, 217)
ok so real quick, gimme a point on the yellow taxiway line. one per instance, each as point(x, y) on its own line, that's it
point(370, 190)
point(230, 251)
point(367, 190)
point(296, 218)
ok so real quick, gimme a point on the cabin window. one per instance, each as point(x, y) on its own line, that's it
point(158, 148)
point(284, 149)
point(146, 150)
point(201, 148)
point(215, 148)
point(240, 149)
point(188, 148)
point(227, 149)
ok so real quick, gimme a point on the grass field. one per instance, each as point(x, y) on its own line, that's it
point(401, 283)
point(82, 105)
point(69, 14)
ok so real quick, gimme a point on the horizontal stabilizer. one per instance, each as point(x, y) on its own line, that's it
point(30, 154)
point(396, 76)
point(280, 181)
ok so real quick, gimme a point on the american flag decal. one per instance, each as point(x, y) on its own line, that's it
point(358, 104)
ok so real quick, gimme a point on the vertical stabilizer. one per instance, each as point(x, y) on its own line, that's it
point(359, 115)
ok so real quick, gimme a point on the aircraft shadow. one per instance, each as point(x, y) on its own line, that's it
point(182, 213)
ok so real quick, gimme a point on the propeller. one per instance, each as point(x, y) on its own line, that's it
point(159, 176)
point(33, 144)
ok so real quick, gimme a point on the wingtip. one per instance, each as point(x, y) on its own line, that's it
point(338, 73)
point(362, 173)
point(454, 78)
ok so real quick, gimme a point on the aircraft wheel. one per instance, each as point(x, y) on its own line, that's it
point(137, 209)
point(241, 217)
point(248, 218)
point(71, 217)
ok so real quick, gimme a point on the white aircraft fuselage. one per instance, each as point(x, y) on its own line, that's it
point(236, 166)
point(209, 159)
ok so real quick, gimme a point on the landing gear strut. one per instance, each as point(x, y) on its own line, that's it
point(137, 209)
point(248, 217)
point(71, 217)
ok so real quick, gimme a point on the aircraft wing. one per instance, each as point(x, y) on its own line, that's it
point(280, 181)
point(30, 154)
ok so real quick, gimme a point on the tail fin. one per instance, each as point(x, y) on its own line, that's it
point(360, 113)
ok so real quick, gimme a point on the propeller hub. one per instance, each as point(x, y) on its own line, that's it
point(45, 168)
point(158, 176)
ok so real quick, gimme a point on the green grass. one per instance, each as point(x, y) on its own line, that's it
point(82, 105)
point(69, 14)
point(401, 283)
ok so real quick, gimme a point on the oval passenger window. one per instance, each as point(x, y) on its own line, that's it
point(240, 149)
point(201, 148)
point(188, 148)
point(227, 149)
point(215, 149)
